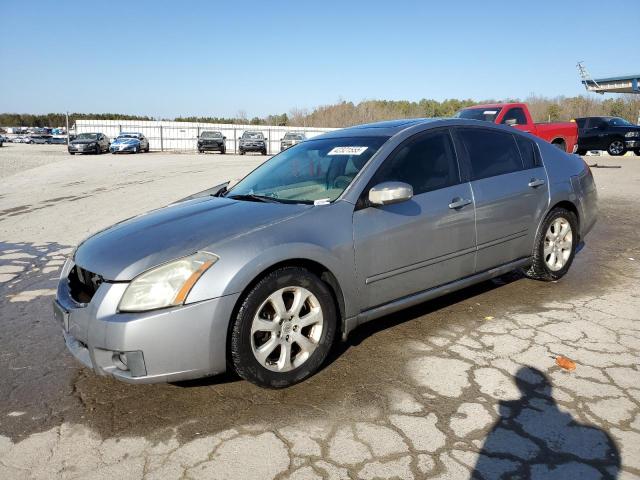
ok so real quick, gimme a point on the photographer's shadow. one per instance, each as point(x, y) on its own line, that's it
point(533, 438)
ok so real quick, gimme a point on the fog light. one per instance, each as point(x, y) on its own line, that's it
point(120, 361)
point(132, 361)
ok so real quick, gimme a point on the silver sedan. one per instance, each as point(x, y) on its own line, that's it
point(262, 278)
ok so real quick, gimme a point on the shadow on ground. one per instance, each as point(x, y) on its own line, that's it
point(533, 438)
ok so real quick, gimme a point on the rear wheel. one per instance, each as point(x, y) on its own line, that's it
point(555, 246)
point(264, 152)
point(559, 144)
point(284, 328)
point(616, 148)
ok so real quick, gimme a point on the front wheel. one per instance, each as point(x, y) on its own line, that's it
point(264, 152)
point(616, 148)
point(241, 152)
point(555, 246)
point(284, 328)
point(98, 150)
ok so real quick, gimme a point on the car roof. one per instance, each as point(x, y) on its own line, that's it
point(386, 128)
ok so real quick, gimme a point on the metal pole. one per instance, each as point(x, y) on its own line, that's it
point(161, 140)
point(269, 145)
point(67, 117)
point(235, 141)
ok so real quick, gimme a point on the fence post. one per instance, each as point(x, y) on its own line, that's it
point(235, 142)
point(161, 140)
point(269, 145)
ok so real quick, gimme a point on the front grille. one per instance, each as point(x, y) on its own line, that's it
point(83, 284)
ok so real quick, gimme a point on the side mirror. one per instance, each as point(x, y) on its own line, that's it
point(511, 122)
point(387, 193)
point(224, 138)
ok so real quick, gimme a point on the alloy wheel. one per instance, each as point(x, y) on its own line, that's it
point(558, 243)
point(286, 329)
point(616, 147)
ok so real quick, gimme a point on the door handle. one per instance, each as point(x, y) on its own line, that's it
point(458, 202)
point(535, 182)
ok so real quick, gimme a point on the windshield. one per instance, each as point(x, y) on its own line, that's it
point(485, 114)
point(313, 170)
point(293, 136)
point(210, 135)
point(619, 122)
point(87, 136)
point(127, 135)
point(252, 135)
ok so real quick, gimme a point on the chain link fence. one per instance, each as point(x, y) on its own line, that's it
point(183, 137)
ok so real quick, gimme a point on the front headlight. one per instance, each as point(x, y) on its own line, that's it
point(167, 285)
point(632, 134)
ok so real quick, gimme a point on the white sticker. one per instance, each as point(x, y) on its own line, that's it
point(490, 112)
point(322, 201)
point(347, 150)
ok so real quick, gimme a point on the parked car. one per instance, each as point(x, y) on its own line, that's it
point(129, 143)
point(89, 143)
point(563, 135)
point(290, 139)
point(262, 277)
point(613, 134)
point(59, 140)
point(210, 141)
point(40, 139)
point(252, 142)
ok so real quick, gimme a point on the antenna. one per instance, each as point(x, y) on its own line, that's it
point(585, 75)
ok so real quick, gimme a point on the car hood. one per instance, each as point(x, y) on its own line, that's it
point(128, 248)
point(76, 142)
point(626, 128)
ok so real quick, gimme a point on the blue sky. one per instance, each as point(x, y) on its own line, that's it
point(170, 58)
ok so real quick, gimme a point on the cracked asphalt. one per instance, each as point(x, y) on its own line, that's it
point(466, 386)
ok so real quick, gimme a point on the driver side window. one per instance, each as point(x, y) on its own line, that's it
point(427, 163)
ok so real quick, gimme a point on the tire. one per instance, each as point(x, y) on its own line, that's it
point(264, 152)
point(581, 152)
point(136, 150)
point(146, 150)
point(637, 152)
point(560, 144)
point(540, 268)
point(273, 371)
point(72, 153)
point(223, 151)
point(616, 148)
point(98, 150)
point(241, 152)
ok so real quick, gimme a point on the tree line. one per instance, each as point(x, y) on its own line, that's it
point(344, 114)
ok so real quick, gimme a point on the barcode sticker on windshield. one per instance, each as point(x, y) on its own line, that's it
point(490, 112)
point(347, 150)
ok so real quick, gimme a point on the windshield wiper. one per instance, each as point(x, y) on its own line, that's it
point(254, 198)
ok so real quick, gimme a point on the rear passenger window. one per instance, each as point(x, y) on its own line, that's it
point(528, 152)
point(490, 152)
point(426, 163)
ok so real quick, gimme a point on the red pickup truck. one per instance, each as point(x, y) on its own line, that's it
point(563, 135)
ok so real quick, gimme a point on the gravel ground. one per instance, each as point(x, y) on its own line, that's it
point(463, 386)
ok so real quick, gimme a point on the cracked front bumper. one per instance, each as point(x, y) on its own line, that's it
point(166, 345)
